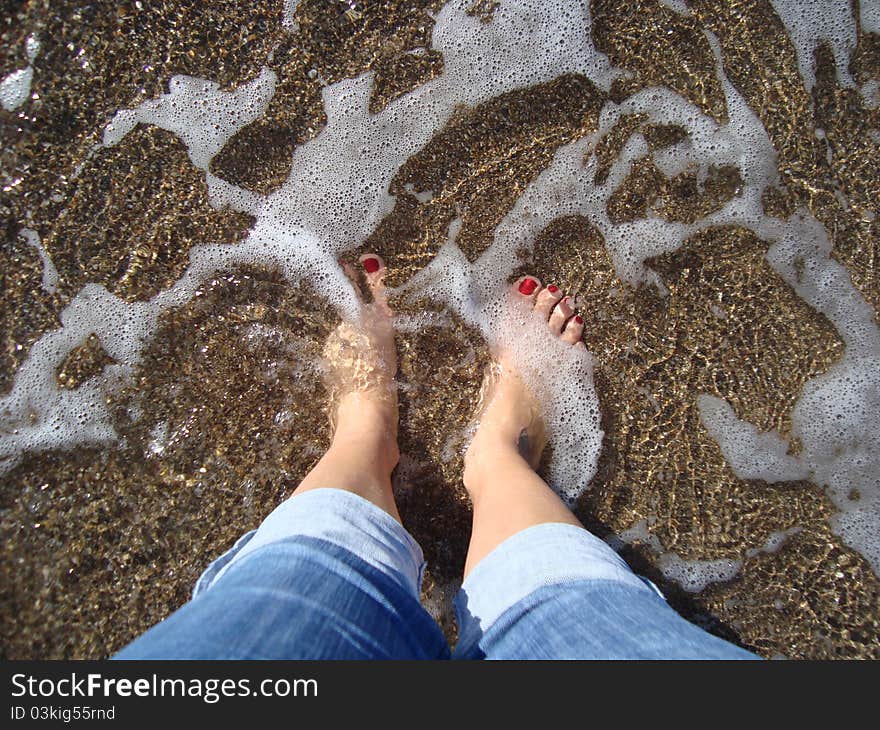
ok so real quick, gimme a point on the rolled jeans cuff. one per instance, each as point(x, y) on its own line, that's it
point(339, 517)
point(534, 558)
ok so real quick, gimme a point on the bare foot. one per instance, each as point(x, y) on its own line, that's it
point(360, 365)
point(510, 417)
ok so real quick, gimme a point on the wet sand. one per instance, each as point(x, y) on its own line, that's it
point(225, 412)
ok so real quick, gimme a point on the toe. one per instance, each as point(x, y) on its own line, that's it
point(561, 314)
point(374, 272)
point(548, 299)
point(374, 269)
point(528, 287)
point(574, 329)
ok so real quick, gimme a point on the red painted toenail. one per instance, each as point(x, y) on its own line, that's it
point(553, 288)
point(579, 319)
point(527, 286)
point(371, 265)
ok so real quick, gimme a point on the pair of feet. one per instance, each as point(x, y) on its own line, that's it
point(361, 364)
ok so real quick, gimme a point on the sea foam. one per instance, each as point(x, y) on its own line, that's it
point(15, 87)
point(338, 191)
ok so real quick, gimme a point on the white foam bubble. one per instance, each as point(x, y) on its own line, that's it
point(871, 95)
point(774, 542)
point(869, 16)
point(809, 21)
point(566, 187)
point(32, 47)
point(50, 273)
point(37, 414)
point(679, 6)
point(692, 575)
point(202, 116)
point(696, 575)
point(338, 186)
point(15, 87)
point(835, 418)
point(750, 453)
point(287, 22)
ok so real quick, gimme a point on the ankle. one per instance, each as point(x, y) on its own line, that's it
point(368, 411)
point(367, 430)
point(487, 459)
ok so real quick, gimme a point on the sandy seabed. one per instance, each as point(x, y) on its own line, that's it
point(224, 412)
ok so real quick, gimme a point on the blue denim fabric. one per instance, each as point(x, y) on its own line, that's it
point(299, 598)
point(595, 619)
point(328, 575)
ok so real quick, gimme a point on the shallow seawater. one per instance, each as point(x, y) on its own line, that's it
point(178, 184)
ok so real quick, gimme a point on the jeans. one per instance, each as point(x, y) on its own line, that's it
point(328, 575)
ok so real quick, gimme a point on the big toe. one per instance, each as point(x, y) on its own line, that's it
point(528, 287)
point(374, 270)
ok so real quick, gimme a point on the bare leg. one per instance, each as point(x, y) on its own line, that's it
point(361, 364)
point(507, 495)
